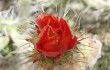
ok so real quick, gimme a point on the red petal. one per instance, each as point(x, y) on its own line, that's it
point(43, 36)
point(50, 43)
point(40, 20)
point(48, 54)
point(73, 43)
point(46, 19)
point(66, 36)
point(38, 31)
point(49, 46)
point(65, 27)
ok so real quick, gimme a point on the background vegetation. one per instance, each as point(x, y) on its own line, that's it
point(95, 19)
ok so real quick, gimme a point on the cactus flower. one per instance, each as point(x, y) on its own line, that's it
point(55, 37)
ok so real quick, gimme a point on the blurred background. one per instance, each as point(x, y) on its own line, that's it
point(94, 14)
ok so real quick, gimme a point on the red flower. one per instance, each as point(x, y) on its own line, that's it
point(55, 37)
